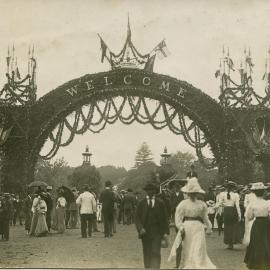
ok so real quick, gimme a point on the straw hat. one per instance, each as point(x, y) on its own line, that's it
point(258, 186)
point(193, 186)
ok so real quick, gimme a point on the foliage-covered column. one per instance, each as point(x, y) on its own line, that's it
point(16, 170)
point(237, 159)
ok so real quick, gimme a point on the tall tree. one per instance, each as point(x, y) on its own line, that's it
point(53, 172)
point(143, 155)
point(136, 178)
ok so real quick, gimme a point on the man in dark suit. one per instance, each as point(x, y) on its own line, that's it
point(129, 206)
point(192, 172)
point(107, 198)
point(5, 210)
point(176, 197)
point(152, 225)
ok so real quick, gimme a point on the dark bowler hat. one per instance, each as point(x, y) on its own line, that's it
point(151, 186)
point(231, 184)
point(108, 183)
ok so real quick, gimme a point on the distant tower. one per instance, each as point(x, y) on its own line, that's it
point(87, 156)
point(164, 157)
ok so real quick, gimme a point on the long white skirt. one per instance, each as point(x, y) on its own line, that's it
point(194, 252)
point(248, 225)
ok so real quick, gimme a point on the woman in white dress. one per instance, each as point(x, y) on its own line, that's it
point(250, 197)
point(191, 218)
point(60, 212)
point(38, 225)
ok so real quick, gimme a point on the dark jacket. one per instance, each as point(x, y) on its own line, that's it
point(175, 200)
point(129, 201)
point(107, 198)
point(160, 213)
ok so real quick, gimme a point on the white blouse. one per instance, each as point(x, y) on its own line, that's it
point(189, 208)
point(258, 208)
point(39, 205)
point(249, 198)
point(233, 201)
point(61, 202)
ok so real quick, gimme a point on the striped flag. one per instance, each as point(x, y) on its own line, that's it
point(162, 50)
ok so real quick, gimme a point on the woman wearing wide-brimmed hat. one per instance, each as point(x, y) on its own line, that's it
point(232, 213)
point(191, 219)
point(258, 251)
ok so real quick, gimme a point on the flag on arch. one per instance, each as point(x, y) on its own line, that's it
point(162, 50)
point(149, 66)
point(217, 73)
point(104, 48)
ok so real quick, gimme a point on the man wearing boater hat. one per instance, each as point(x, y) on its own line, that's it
point(152, 225)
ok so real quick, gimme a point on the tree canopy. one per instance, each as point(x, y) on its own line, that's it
point(85, 174)
point(53, 172)
point(112, 173)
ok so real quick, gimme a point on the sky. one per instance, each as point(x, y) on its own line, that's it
point(64, 33)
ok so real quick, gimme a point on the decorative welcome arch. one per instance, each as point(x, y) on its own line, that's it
point(182, 97)
point(34, 122)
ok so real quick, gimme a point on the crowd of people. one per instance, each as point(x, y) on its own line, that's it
point(44, 210)
point(240, 213)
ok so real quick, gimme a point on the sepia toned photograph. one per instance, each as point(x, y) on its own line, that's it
point(135, 134)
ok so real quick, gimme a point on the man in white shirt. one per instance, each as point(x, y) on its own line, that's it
point(87, 204)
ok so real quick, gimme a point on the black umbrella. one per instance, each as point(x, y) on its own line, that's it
point(67, 194)
point(38, 184)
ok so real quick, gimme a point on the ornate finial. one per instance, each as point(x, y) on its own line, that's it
point(128, 30)
point(19, 90)
point(86, 149)
point(129, 57)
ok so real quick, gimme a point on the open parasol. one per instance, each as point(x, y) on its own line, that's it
point(38, 184)
point(68, 194)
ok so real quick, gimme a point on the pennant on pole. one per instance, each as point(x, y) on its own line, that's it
point(18, 75)
point(104, 48)
point(217, 73)
point(230, 63)
point(149, 66)
point(249, 62)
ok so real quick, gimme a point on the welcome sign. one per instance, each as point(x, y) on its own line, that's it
point(126, 78)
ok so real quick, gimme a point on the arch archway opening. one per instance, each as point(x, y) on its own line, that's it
point(96, 115)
